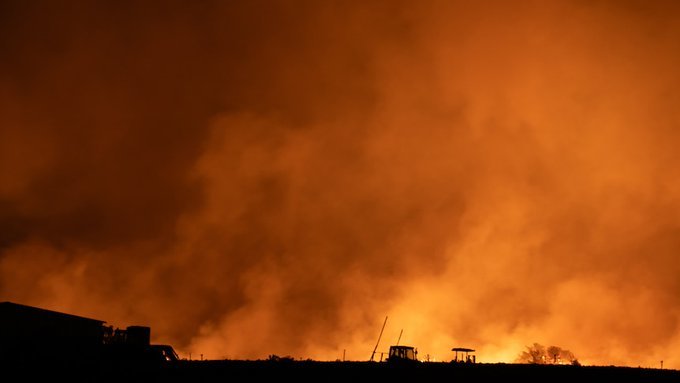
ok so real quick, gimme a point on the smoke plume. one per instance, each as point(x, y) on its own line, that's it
point(274, 177)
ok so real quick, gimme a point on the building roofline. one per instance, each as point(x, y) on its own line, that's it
point(50, 312)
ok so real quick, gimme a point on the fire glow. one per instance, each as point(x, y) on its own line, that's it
point(276, 177)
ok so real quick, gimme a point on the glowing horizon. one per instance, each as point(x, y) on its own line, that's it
point(276, 177)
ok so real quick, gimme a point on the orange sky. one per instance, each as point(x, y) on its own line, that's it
point(275, 177)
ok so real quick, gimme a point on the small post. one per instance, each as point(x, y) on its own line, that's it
point(201, 356)
point(662, 364)
point(343, 354)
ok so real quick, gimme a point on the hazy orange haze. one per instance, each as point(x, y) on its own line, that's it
point(274, 177)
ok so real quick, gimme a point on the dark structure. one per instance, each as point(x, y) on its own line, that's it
point(402, 354)
point(465, 356)
point(30, 334)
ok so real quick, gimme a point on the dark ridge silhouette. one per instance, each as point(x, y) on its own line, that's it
point(44, 345)
point(315, 371)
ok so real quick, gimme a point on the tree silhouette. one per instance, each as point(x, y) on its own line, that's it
point(534, 354)
point(554, 353)
point(537, 354)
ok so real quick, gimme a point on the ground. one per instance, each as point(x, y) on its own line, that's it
point(312, 371)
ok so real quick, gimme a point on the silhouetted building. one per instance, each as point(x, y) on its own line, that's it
point(30, 332)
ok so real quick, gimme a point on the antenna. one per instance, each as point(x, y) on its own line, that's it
point(379, 336)
point(402, 331)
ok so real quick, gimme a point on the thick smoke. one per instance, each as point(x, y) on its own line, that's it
point(276, 177)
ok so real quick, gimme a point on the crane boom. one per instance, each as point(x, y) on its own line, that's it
point(379, 336)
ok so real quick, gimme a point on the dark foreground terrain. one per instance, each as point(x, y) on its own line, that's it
point(310, 371)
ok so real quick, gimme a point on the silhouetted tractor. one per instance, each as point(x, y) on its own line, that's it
point(402, 354)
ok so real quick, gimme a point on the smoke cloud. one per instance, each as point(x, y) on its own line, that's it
point(276, 177)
